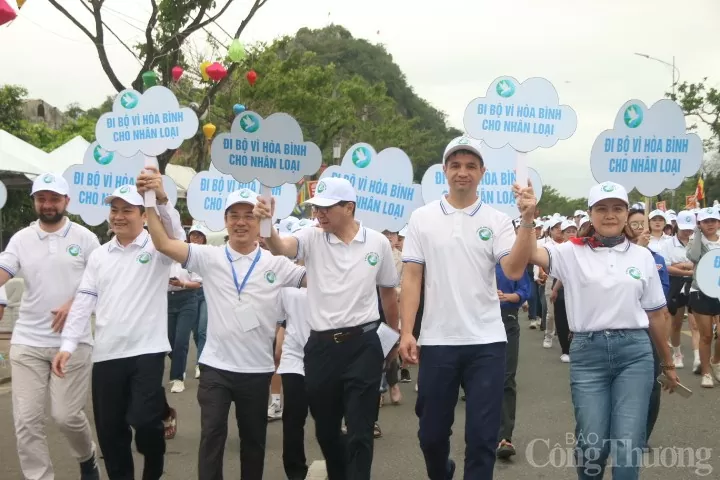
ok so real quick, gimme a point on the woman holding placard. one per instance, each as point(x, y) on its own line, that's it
point(706, 238)
point(681, 272)
point(614, 296)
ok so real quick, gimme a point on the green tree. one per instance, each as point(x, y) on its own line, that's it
point(171, 24)
point(553, 202)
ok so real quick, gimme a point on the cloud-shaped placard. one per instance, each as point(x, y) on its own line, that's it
point(386, 194)
point(495, 189)
point(272, 150)
point(208, 190)
point(647, 149)
point(150, 122)
point(3, 195)
point(523, 115)
point(99, 175)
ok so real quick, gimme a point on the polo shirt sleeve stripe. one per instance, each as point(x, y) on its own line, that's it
point(88, 292)
point(502, 254)
point(299, 284)
point(413, 260)
point(550, 258)
point(8, 270)
point(388, 286)
point(187, 260)
point(655, 309)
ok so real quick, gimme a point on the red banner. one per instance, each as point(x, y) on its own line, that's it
point(661, 206)
point(311, 187)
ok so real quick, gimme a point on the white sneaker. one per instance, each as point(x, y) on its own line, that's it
point(416, 388)
point(547, 342)
point(678, 360)
point(696, 366)
point(707, 381)
point(275, 411)
point(715, 367)
point(534, 324)
point(178, 386)
point(197, 371)
point(565, 358)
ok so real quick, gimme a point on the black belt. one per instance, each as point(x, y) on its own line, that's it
point(184, 290)
point(343, 334)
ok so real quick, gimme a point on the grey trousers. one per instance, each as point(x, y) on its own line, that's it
point(512, 330)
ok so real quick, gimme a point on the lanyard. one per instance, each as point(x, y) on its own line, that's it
point(241, 286)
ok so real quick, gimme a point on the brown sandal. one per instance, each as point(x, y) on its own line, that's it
point(170, 425)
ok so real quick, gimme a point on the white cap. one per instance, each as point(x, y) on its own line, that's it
point(686, 220)
point(286, 224)
point(605, 190)
point(462, 143)
point(303, 223)
point(403, 231)
point(552, 222)
point(331, 190)
point(128, 193)
point(198, 228)
point(242, 195)
point(50, 182)
point(585, 219)
point(567, 224)
point(707, 214)
point(638, 206)
point(657, 213)
point(579, 213)
point(671, 211)
point(671, 217)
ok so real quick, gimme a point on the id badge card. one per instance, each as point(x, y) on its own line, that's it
point(246, 316)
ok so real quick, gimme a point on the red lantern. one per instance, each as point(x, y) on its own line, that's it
point(251, 77)
point(216, 71)
point(177, 72)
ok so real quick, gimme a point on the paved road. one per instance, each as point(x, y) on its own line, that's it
point(544, 419)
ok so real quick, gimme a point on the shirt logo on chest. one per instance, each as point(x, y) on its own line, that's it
point(270, 276)
point(634, 272)
point(143, 258)
point(73, 250)
point(484, 233)
point(372, 259)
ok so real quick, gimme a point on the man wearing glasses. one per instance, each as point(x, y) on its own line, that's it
point(345, 263)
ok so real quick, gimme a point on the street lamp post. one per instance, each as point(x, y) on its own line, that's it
point(675, 70)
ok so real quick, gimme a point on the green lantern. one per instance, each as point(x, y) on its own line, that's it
point(149, 79)
point(236, 51)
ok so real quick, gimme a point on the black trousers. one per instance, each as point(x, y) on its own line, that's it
point(561, 326)
point(295, 412)
point(128, 392)
point(342, 380)
point(512, 353)
point(217, 390)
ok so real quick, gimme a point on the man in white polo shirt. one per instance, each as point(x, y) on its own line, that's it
point(343, 357)
point(459, 240)
point(51, 255)
point(125, 283)
point(242, 285)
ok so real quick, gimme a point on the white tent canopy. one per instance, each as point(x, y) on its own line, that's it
point(18, 156)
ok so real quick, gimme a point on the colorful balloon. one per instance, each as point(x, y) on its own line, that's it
point(149, 79)
point(7, 13)
point(236, 51)
point(177, 72)
point(216, 71)
point(251, 77)
point(209, 130)
point(203, 70)
point(238, 108)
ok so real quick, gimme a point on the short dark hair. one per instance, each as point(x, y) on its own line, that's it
point(342, 203)
point(465, 151)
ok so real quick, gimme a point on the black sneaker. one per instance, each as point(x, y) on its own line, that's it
point(405, 375)
point(505, 450)
point(450, 469)
point(89, 469)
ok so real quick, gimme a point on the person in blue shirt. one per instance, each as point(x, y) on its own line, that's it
point(636, 221)
point(512, 295)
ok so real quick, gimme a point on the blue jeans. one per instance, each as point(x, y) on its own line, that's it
point(533, 301)
point(182, 314)
point(199, 329)
point(611, 378)
point(481, 368)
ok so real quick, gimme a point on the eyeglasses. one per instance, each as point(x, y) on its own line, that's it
point(637, 225)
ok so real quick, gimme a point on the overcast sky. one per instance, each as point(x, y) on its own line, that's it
point(450, 52)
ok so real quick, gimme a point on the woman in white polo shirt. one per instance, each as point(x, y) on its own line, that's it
point(706, 238)
point(198, 235)
point(242, 283)
point(557, 296)
point(614, 295)
point(657, 220)
point(681, 270)
point(554, 237)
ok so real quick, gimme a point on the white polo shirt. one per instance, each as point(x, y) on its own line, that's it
point(294, 304)
point(52, 265)
point(607, 288)
point(343, 278)
point(177, 271)
point(235, 342)
point(459, 249)
point(673, 251)
point(656, 243)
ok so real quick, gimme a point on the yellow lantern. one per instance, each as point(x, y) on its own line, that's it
point(203, 70)
point(209, 130)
